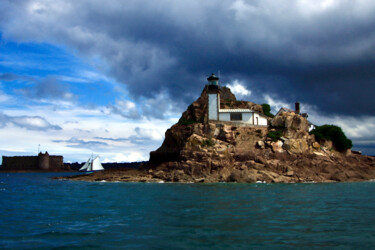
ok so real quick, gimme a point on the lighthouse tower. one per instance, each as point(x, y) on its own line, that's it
point(213, 97)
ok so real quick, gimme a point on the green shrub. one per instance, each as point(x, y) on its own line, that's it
point(208, 143)
point(332, 133)
point(267, 110)
point(186, 122)
point(275, 135)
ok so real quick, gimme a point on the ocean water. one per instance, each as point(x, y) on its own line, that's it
point(39, 212)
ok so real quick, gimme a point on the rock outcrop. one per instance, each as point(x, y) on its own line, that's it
point(195, 150)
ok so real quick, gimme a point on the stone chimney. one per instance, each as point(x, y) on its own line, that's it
point(297, 108)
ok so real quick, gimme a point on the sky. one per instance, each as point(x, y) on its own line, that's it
point(109, 77)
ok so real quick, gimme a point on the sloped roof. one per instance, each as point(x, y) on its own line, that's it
point(236, 110)
point(284, 110)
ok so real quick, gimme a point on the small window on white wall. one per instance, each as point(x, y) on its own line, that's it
point(236, 116)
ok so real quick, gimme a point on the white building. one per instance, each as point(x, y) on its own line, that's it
point(245, 116)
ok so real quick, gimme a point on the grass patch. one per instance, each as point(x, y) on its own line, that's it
point(275, 135)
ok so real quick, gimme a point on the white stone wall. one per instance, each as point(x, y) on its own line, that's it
point(224, 117)
point(259, 120)
point(213, 100)
point(246, 117)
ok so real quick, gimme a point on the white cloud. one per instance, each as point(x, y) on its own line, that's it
point(276, 104)
point(128, 157)
point(315, 6)
point(160, 106)
point(239, 89)
point(150, 133)
point(4, 97)
point(83, 132)
point(27, 122)
point(124, 108)
point(242, 10)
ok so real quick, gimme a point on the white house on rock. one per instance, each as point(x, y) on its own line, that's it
point(215, 113)
point(297, 110)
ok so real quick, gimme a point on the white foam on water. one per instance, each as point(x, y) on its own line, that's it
point(261, 182)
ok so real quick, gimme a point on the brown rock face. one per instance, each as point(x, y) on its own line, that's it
point(209, 139)
point(296, 146)
point(293, 125)
point(277, 147)
point(316, 145)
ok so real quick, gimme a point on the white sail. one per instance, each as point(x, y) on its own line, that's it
point(89, 167)
point(92, 165)
point(96, 165)
point(86, 166)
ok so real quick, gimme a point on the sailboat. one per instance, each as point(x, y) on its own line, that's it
point(92, 165)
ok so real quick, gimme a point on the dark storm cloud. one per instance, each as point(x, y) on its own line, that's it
point(49, 87)
point(317, 52)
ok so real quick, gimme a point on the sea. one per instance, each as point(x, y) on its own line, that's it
point(37, 211)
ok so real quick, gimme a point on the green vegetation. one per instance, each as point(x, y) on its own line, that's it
point(208, 143)
point(267, 110)
point(228, 102)
point(332, 133)
point(186, 122)
point(275, 135)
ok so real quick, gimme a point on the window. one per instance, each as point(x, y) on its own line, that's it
point(236, 116)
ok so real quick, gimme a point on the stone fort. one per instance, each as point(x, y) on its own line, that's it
point(41, 162)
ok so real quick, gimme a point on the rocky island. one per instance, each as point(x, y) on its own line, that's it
point(221, 139)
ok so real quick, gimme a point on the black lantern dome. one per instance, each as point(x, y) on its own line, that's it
point(213, 80)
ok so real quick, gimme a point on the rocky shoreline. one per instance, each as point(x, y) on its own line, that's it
point(279, 168)
point(198, 150)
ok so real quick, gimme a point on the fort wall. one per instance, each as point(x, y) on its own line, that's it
point(42, 162)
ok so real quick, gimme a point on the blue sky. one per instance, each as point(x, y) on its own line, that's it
point(79, 77)
point(52, 98)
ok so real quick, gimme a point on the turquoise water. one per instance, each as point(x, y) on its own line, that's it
point(38, 212)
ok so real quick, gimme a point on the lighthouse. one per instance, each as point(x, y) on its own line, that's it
point(213, 97)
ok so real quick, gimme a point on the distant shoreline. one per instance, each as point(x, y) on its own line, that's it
point(37, 171)
point(74, 167)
